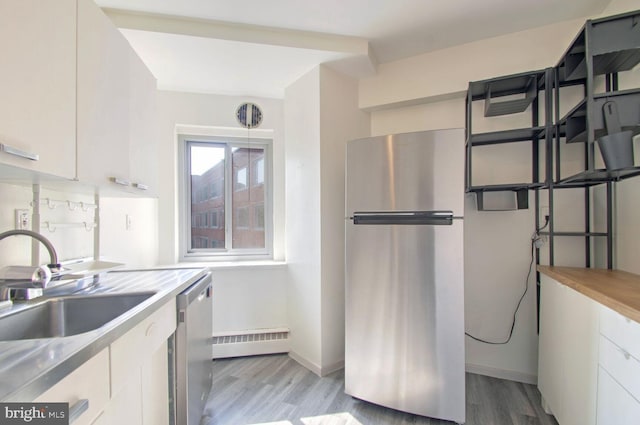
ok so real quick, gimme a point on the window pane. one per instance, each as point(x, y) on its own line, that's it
point(248, 227)
point(207, 195)
point(258, 171)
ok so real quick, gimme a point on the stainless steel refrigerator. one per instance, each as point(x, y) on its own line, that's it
point(405, 273)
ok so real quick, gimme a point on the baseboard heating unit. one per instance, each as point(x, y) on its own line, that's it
point(250, 342)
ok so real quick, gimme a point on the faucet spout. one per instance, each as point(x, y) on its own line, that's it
point(52, 252)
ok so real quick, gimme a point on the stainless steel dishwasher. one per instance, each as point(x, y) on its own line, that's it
point(192, 354)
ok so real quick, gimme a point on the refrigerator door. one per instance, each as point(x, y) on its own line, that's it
point(406, 172)
point(404, 283)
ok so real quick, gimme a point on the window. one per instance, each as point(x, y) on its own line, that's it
point(240, 180)
point(258, 216)
point(225, 192)
point(258, 171)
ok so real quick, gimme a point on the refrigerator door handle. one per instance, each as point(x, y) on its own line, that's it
point(436, 218)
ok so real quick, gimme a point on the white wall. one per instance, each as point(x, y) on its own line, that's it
point(303, 239)
point(248, 297)
point(321, 115)
point(14, 250)
point(252, 297)
point(70, 243)
point(446, 73)
point(427, 92)
point(129, 231)
point(340, 121)
point(176, 108)
point(135, 247)
point(628, 192)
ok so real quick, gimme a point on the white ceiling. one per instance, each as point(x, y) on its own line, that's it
point(258, 47)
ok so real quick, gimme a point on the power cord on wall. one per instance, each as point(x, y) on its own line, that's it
point(535, 243)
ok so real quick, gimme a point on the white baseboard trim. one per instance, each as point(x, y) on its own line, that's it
point(318, 370)
point(328, 370)
point(510, 375)
point(306, 363)
point(241, 349)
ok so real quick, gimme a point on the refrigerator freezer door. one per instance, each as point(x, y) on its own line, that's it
point(404, 289)
point(406, 172)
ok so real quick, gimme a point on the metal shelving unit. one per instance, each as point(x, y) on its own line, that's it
point(503, 96)
point(603, 47)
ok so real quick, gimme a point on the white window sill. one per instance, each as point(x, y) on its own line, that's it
point(226, 265)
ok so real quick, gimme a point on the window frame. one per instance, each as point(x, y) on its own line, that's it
point(185, 215)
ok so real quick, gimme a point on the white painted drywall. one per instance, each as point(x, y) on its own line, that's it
point(446, 73)
point(303, 235)
point(188, 109)
point(244, 297)
point(627, 223)
point(129, 231)
point(620, 6)
point(14, 250)
point(340, 121)
point(252, 297)
point(321, 115)
point(134, 247)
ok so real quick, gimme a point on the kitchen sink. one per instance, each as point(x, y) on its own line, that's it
point(66, 316)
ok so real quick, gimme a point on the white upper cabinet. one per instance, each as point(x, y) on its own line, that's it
point(76, 97)
point(103, 98)
point(38, 85)
point(143, 140)
point(116, 108)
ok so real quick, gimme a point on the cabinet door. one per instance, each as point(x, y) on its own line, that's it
point(103, 98)
point(38, 84)
point(88, 382)
point(125, 406)
point(143, 140)
point(615, 405)
point(568, 353)
point(550, 349)
point(155, 388)
point(134, 348)
point(581, 340)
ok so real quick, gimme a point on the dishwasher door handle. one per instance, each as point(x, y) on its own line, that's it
point(194, 292)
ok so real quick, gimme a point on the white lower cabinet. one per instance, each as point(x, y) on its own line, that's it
point(619, 372)
point(140, 371)
point(616, 406)
point(127, 382)
point(88, 382)
point(155, 384)
point(588, 372)
point(568, 353)
point(125, 406)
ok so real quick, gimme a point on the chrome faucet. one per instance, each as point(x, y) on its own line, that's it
point(53, 265)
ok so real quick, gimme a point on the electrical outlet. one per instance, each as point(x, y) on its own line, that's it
point(544, 211)
point(127, 224)
point(23, 222)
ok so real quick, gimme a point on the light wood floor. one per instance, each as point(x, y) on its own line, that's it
point(276, 390)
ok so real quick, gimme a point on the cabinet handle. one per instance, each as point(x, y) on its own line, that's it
point(121, 182)
point(78, 409)
point(626, 355)
point(141, 186)
point(150, 329)
point(19, 153)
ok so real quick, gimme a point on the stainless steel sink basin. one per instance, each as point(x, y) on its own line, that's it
point(67, 316)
